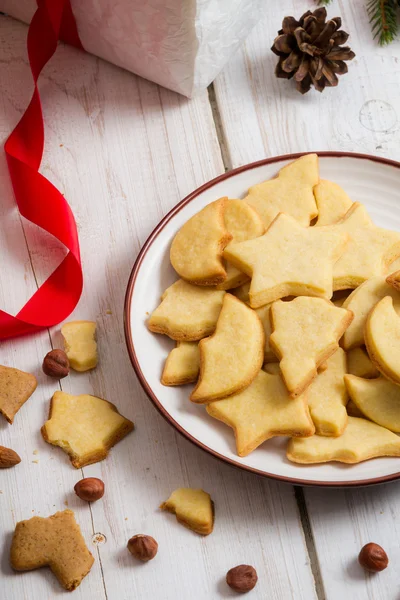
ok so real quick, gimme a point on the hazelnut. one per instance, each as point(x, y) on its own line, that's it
point(143, 547)
point(89, 489)
point(56, 364)
point(242, 578)
point(373, 558)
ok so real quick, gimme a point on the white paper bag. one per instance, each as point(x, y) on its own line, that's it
point(180, 44)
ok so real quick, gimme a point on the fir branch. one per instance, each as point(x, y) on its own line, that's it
point(383, 18)
point(324, 1)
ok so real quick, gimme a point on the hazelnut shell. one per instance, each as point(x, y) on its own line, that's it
point(143, 547)
point(242, 578)
point(373, 558)
point(56, 364)
point(90, 489)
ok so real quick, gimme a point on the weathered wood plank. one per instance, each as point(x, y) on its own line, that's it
point(124, 152)
point(263, 116)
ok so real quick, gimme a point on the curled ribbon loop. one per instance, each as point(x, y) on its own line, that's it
point(38, 200)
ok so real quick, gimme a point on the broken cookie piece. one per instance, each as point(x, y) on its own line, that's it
point(85, 427)
point(193, 508)
point(16, 387)
point(80, 344)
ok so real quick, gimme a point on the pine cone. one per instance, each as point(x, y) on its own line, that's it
point(311, 51)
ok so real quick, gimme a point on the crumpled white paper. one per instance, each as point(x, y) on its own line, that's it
point(180, 44)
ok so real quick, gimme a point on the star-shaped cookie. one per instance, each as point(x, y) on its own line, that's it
point(306, 332)
point(369, 252)
point(261, 411)
point(187, 312)
point(291, 192)
point(289, 260)
point(360, 441)
point(85, 427)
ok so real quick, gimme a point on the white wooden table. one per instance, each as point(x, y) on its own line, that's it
point(124, 151)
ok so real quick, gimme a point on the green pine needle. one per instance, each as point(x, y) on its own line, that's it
point(383, 18)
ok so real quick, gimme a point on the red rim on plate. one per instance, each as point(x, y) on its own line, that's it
point(131, 347)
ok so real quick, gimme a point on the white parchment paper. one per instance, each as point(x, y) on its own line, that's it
point(180, 44)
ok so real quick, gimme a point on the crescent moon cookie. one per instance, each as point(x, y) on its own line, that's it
point(187, 312)
point(182, 364)
point(332, 202)
point(382, 338)
point(306, 332)
point(378, 399)
point(243, 223)
point(327, 397)
point(360, 302)
point(360, 441)
point(196, 251)
point(289, 260)
point(290, 192)
point(261, 411)
point(369, 252)
point(231, 358)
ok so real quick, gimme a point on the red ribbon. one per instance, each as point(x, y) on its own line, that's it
point(39, 200)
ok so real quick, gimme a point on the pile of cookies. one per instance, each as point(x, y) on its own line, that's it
point(287, 320)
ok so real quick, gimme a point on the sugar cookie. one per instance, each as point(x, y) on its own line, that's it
point(187, 312)
point(16, 387)
point(243, 223)
point(382, 338)
point(261, 411)
point(80, 344)
point(354, 411)
point(242, 292)
point(54, 542)
point(182, 364)
point(264, 314)
point(369, 252)
point(360, 441)
point(378, 399)
point(85, 427)
point(332, 202)
point(394, 280)
point(290, 192)
point(305, 333)
point(327, 397)
point(360, 302)
point(231, 358)
point(289, 260)
point(359, 364)
point(193, 508)
point(196, 251)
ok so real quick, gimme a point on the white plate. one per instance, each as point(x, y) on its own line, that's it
point(373, 181)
